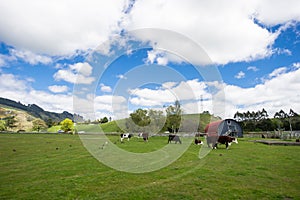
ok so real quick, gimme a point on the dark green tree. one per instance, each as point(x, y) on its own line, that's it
point(104, 120)
point(173, 120)
point(140, 117)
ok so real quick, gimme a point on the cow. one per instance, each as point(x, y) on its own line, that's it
point(144, 136)
point(174, 138)
point(214, 140)
point(125, 135)
point(198, 142)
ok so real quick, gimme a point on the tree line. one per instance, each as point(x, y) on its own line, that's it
point(149, 120)
point(261, 121)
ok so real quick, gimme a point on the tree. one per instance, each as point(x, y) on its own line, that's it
point(104, 120)
point(38, 125)
point(10, 122)
point(173, 117)
point(2, 125)
point(140, 117)
point(67, 125)
point(49, 122)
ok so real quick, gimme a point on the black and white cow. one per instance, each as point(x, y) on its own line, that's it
point(198, 142)
point(174, 138)
point(144, 136)
point(125, 135)
point(215, 140)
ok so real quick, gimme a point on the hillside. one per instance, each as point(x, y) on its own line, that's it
point(38, 112)
point(22, 120)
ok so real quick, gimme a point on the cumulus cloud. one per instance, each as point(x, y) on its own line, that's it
point(78, 73)
point(277, 72)
point(227, 32)
point(252, 68)
point(296, 65)
point(58, 88)
point(12, 87)
point(271, 12)
point(31, 57)
point(277, 92)
point(105, 88)
point(62, 28)
point(240, 75)
point(11, 83)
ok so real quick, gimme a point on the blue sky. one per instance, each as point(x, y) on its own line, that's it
point(100, 58)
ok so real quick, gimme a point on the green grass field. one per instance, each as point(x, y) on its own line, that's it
point(57, 166)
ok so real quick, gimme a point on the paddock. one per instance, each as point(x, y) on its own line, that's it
point(36, 170)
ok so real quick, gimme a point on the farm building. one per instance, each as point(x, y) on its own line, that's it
point(224, 127)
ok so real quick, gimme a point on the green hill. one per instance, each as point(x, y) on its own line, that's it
point(190, 120)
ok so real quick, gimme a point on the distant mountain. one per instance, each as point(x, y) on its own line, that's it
point(38, 112)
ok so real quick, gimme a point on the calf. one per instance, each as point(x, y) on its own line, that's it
point(174, 138)
point(214, 140)
point(198, 142)
point(125, 135)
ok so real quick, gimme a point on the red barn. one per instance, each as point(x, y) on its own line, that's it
point(228, 127)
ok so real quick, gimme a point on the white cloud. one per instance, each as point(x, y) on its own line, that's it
point(277, 72)
point(190, 90)
point(157, 56)
point(78, 73)
point(12, 87)
point(31, 57)
point(58, 27)
point(121, 76)
point(168, 85)
point(240, 75)
point(11, 83)
point(91, 106)
point(58, 88)
point(105, 88)
point(227, 32)
point(2, 61)
point(252, 68)
point(271, 12)
point(296, 65)
point(82, 68)
point(279, 92)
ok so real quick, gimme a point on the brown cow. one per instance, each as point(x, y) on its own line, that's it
point(214, 140)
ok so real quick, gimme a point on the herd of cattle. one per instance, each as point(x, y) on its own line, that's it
point(211, 140)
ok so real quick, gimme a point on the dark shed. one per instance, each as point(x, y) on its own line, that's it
point(224, 127)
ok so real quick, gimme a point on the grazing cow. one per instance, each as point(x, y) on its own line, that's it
point(214, 140)
point(125, 135)
point(198, 142)
point(144, 136)
point(174, 138)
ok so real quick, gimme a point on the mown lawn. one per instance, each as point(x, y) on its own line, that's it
point(57, 166)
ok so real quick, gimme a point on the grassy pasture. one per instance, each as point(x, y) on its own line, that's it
point(57, 166)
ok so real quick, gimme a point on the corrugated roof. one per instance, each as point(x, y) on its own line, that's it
point(212, 128)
